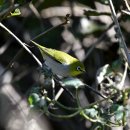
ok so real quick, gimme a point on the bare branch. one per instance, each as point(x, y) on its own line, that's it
point(122, 43)
point(22, 44)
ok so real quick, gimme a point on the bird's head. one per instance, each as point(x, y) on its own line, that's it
point(76, 68)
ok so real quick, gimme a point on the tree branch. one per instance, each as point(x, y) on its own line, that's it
point(122, 43)
point(22, 44)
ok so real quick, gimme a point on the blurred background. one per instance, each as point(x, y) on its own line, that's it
point(90, 36)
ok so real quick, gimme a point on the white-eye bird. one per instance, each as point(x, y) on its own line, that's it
point(60, 63)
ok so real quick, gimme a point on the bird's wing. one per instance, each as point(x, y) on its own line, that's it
point(56, 55)
point(59, 56)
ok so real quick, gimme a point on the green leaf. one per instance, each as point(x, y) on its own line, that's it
point(116, 65)
point(98, 126)
point(118, 111)
point(33, 99)
point(102, 72)
point(88, 26)
point(91, 112)
point(16, 12)
point(128, 111)
point(74, 82)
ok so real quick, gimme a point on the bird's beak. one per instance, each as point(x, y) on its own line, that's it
point(83, 70)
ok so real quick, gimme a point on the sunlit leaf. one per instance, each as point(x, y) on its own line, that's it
point(101, 73)
point(74, 82)
point(91, 112)
point(87, 26)
point(128, 111)
point(16, 12)
point(33, 99)
point(118, 111)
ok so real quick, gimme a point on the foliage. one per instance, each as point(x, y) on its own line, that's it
point(86, 31)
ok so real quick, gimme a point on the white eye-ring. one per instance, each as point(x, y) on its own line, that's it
point(79, 68)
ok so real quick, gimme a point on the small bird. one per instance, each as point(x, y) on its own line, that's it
point(61, 63)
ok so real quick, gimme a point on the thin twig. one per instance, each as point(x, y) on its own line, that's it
point(122, 43)
point(35, 11)
point(98, 41)
point(59, 94)
point(53, 88)
point(124, 76)
point(22, 44)
point(92, 12)
point(25, 47)
point(66, 107)
point(77, 98)
point(128, 8)
point(65, 22)
point(127, 5)
point(11, 63)
point(6, 12)
point(63, 116)
point(78, 110)
point(93, 90)
point(63, 87)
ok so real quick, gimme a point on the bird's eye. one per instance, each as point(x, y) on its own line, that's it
point(79, 68)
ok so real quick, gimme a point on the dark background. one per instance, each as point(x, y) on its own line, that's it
point(77, 38)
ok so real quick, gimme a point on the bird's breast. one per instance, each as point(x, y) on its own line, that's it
point(56, 67)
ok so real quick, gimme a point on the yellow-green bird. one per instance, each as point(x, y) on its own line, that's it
point(60, 63)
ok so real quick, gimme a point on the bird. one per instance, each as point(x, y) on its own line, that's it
point(61, 63)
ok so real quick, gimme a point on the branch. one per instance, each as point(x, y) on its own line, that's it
point(98, 41)
point(5, 12)
point(127, 5)
point(65, 22)
point(122, 43)
point(22, 44)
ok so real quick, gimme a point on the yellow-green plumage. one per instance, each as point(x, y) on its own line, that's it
point(60, 62)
